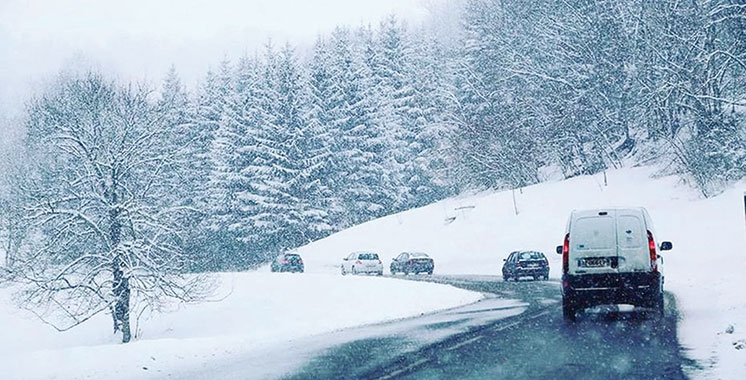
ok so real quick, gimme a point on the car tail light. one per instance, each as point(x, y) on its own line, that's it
point(379, 261)
point(300, 261)
point(410, 262)
point(653, 254)
point(284, 261)
point(566, 254)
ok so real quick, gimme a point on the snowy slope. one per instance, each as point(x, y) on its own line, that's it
point(472, 234)
point(260, 311)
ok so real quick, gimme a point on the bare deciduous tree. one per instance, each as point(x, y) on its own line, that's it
point(101, 199)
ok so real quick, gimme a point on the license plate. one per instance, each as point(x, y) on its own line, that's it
point(595, 262)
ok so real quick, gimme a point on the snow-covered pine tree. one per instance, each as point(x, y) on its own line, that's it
point(269, 202)
point(361, 148)
point(431, 129)
point(178, 114)
point(321, 140)
point(255, 160)
point(397, 111)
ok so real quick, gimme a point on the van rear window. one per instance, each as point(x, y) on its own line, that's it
point(631, 234)
point(593, 233)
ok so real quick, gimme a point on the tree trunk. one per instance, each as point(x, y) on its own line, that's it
point(121, 288)
point(122, 307)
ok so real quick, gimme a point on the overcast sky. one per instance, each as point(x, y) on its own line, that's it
point(138, 39)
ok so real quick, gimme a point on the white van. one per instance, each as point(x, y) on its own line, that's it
point(610, 256)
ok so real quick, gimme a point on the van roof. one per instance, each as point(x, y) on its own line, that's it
point(600, 211)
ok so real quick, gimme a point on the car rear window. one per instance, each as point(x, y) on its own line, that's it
point(531, 256)
point(368, 256)
point(593, 233)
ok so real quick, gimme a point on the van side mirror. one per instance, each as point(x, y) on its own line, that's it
point(559, 249)
point(666, 246)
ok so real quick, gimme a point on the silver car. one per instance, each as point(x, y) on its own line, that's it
point(362, 262)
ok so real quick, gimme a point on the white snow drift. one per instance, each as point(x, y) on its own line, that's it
point(260, 310)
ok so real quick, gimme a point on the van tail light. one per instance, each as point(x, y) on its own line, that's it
point(653, 254)
point(566, 254)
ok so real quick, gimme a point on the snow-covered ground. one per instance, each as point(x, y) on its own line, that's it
point(706, 270)
point(465, 235)
point(259, 311)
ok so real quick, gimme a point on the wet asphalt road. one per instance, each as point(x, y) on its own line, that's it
point(493, 339)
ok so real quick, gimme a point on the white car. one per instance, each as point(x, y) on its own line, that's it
point(362, 262)
point(610, 256)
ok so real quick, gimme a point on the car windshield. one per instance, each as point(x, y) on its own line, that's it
point(368, 256)
point(531, 256)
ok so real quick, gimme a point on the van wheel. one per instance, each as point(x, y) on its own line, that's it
point(568, 310)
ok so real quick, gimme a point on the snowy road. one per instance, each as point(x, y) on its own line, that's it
point(534, 344)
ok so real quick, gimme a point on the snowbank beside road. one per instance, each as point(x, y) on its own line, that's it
point(259, 311)
point(473, 234)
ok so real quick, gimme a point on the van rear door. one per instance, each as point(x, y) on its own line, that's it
point(632, 242)
point(593, 243)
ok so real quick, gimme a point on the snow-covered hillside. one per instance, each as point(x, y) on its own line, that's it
point(706, 270)
point(252, 312)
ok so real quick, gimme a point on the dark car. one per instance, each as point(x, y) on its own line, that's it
point(288, 262)
point(526, 264)
point(408, 262)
